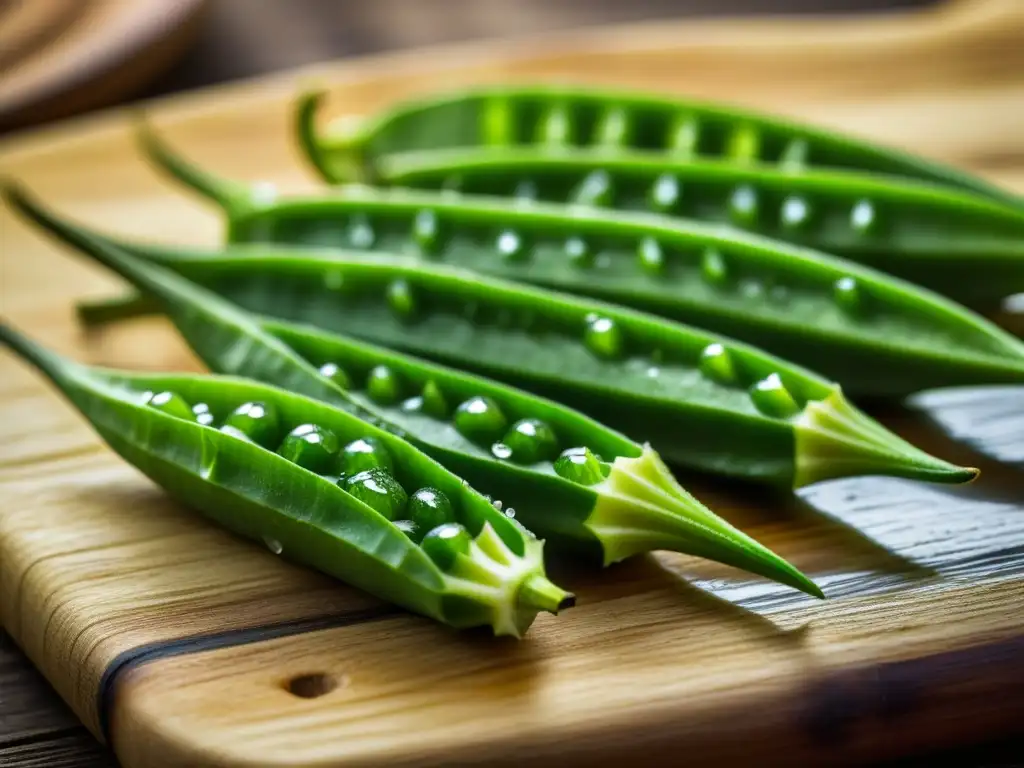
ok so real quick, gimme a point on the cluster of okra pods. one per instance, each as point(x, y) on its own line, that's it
point(480, 342)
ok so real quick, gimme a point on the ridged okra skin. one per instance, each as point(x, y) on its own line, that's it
point(226, 447)
point(566, 115)
point(581, 485)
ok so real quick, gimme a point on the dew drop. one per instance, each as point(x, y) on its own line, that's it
point(203, 414)
point(497, 504)
point(480, 419)
point(361, 233)
point(526, 191)
point(413, 404)
point(653, 372)
point(771, 397)
point(273, 545)
point(665, 193)
point(794, 156)
point(684, 135)
point(651, 257)
point(554, 127)
point(743, 206)
point(425, 230)
point(510, 513)
point(510, 245)
point(717, 364)
point(751, 289)
point(779, 293)
point(595, 189)
point(795, 212)
point(501, 451)
point(577, 251)
point(434, 402)
point(613, 130)
point(401, 299)
point(846, 292)
point(713, 267)
point(603, 337)
point(382, 385)
point(336, 374)
point(862, 217)
point(603, 260)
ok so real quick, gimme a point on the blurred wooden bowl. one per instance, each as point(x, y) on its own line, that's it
point(61, 57)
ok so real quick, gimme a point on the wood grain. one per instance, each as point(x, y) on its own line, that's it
point(667, 651)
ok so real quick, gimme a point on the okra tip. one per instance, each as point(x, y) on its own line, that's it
point(540, 593)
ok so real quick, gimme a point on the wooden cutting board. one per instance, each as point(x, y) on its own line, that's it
point(180, 645)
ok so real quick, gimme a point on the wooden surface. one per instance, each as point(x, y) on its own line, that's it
point(60, 57)
point(921, 645)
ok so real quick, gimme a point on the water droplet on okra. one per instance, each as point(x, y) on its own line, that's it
point(684, 135)
point(595, 189)
point(743, 206)
point(578, 252)
point(378, 490)
point(846, 292)
point(863, 217)
point(434, 402)
point(713, 267)
point(382, 385)
point(795, 212)
point(613, 128)
point(172, 404)
point(445, 543)
point(771, 397)
point(273, 545)
point(555, 127)
point(362, 454)
point(579, 465)
point(501, 451)
point(401, 299)
point(203, 414)
point(510, 245)
point(665, 193)
point(651, 257)
point(526, 191)
point(603, 336)
point(336, 374)
point(794, 156)
point(427, 509)
point(426, 231)
point(360, 233)
point(480, 419)
point(310, 446)
point(530, 441)
point(256, 421)
point(717, 364)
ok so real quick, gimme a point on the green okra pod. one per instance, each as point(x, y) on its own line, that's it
point(559, 116)
point(700, 398)
point(960, 245)
point(265, 463)
point(874, 334)
point(537, 459)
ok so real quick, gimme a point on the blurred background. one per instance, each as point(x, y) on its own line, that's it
point(65, 57)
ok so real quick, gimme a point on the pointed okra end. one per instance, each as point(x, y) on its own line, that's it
point(507, 589)
point(641, 508)
point(337, 156)
point(834, 439)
